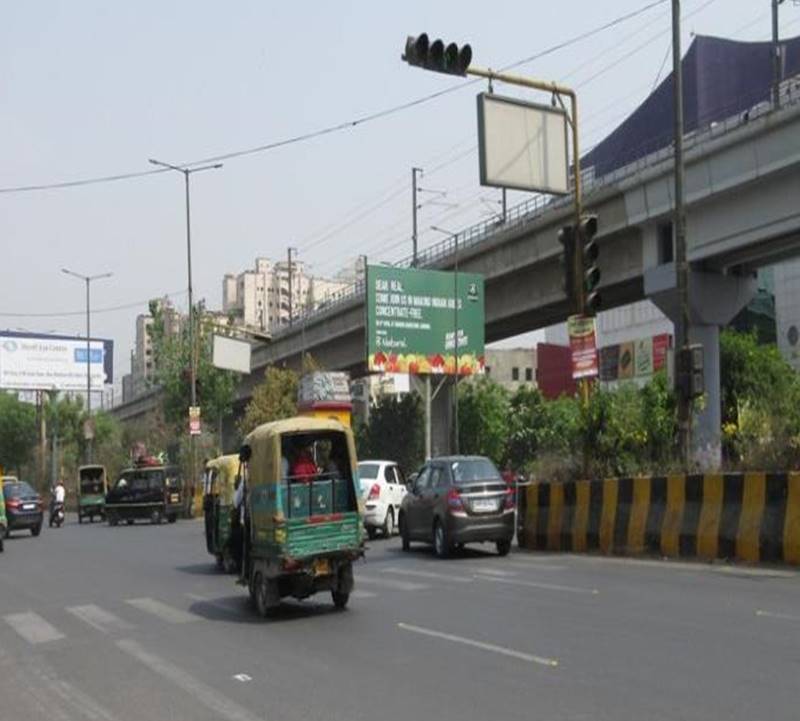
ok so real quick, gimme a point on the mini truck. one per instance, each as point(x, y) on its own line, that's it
point(302, 532)
point(149, 491)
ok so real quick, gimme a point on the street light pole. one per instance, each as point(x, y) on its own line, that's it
point(88, 279)
point(192, 344)
point(776, 55)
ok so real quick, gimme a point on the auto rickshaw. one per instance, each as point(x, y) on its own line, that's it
point(92, 489)
point(303, 511)
point(218, 511)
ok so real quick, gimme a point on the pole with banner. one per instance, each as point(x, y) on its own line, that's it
point(194, 421)
point(583, 344)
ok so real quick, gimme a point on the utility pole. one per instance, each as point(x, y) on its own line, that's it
point(679, 223)
point(88, 279)
point(414, 208)
point(777, 69)
point(505, 208)
point(192, 330)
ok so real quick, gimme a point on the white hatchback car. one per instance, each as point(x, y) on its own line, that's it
point(383, 488)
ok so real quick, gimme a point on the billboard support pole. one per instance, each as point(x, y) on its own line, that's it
point(456, 443)
point(427, 416)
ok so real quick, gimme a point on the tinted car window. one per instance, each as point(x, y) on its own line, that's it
point(142, 480)
point(423, 479)
point(368, 471)
point(15, 490)
point(477, 469)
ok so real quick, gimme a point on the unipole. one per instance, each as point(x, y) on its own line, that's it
point(455, 342)
point(679, 221)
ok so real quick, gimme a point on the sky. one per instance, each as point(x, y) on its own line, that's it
point(94, 88)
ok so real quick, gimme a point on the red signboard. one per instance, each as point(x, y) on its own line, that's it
point(660, 348)
point(583, 343)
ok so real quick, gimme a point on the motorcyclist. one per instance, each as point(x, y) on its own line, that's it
point(57, 498)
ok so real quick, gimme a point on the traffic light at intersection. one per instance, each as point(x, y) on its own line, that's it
point(450, 59)
point(591, 272)
point(566, 236)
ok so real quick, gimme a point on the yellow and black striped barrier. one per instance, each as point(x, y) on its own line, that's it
point(741, 516)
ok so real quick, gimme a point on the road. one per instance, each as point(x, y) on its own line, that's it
point(133, 623)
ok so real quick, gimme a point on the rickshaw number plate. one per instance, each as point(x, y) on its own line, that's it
point(322, 567)
point(174, 498)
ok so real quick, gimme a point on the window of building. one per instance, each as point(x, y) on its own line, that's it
point(529, 374)
point(665, 244)
point(515, 374)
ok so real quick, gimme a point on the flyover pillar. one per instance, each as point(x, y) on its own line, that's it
point(714, 301)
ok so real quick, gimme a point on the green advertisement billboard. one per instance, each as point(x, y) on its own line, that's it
point(413, 320)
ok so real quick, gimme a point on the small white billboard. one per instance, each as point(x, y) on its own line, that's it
point(522, 146)
point(231, 354)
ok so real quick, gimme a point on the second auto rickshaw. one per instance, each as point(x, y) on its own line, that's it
point(92, 489)
point(303, 515)
point(219, 512)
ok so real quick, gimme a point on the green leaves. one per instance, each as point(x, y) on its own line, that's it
point(395, 431)
point(274, 398)
point(17, 431)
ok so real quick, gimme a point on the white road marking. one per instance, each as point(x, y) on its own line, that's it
point(495, 572)
point(162, 610)
point(32, 627)
point(211, 698)
point(358, 593)
point(783, 616)
point(99, 618)
point(535, 584)
point(533, 566)
point(756, 572)
point(427, 574)
point(390, 583)
point(243, 677)
point(480, 644)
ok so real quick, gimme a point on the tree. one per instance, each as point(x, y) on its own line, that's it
point(17, 431)
point(395, 431)
point(274, 398)
point(483, 420)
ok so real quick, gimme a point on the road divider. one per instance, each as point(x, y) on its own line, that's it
point(752, 517)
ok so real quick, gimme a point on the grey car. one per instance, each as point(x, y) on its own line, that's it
point(456, 500)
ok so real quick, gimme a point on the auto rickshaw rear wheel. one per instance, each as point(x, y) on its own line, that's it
point(267, 596)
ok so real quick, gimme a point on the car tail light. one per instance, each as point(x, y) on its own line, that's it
point(13, 503)
point(374, 492)
point(454, 501)
point(508, 500)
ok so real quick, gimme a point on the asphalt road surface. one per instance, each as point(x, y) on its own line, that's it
point(131, 623)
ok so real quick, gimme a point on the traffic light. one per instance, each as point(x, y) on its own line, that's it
point(591, 273)
point(450, 60)
point(566, 236)
point(690, 371)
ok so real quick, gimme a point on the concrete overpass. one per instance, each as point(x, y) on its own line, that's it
point(742, 184)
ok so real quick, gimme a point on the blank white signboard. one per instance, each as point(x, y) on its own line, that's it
point(522, 145)
point(231, 354)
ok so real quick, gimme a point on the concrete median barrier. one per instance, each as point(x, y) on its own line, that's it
point(750, 517)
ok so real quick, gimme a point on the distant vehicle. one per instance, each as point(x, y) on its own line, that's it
point(24, 507)
point(303, 526)
point(383, 489)
point(148, 491)
point(457, 500)
point(92, 489)
point(57, 515)
point(3, 520)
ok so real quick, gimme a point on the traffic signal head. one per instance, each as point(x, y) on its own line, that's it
point(566, 236)
point(591, 272)
point(450, 60)
point(690, 371)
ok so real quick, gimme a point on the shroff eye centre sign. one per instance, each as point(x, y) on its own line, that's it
point(415, 316)
point(50, 362)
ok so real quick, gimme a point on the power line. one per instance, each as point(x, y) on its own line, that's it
point(109, 309)
point(338, 127)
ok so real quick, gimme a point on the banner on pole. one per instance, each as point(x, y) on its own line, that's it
point(583, 343)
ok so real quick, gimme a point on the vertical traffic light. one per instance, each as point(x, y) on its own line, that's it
point(591, 272)
point(566, 236)
point(423, 53)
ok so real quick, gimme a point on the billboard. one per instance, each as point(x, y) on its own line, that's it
point(522, 145)
point(53, 362)
point(639, 358)
point(231, 354)
point(414, 317)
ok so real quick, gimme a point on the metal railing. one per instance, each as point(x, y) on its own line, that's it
point(526, 212)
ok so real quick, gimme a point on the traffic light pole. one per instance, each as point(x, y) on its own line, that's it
point(572, 118)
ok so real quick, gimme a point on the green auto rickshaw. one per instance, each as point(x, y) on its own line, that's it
point(221, 521)
point(92, 489)
point(303, 512)
point(3, 520)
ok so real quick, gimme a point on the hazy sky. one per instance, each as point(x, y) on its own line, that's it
point(94, 88)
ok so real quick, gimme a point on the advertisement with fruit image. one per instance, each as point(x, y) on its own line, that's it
point(415, 316)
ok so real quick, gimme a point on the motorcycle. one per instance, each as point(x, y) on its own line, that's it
point(57, 515)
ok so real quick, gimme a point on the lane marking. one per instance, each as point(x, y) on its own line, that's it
point(427, 574)
point(358, 593)
point(495, 572)
point(99, 618)
point(535, 584)
point(32, 627)
point(209, 697)
point(543, 661)
point(783, 616)
point(390, 583)
point(531, 566)
point(162, 610)
point(243, 677)
point(755, 572)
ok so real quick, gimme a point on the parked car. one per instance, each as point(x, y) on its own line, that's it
point(24, 506)
point(457, 500)
point(383, 488)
